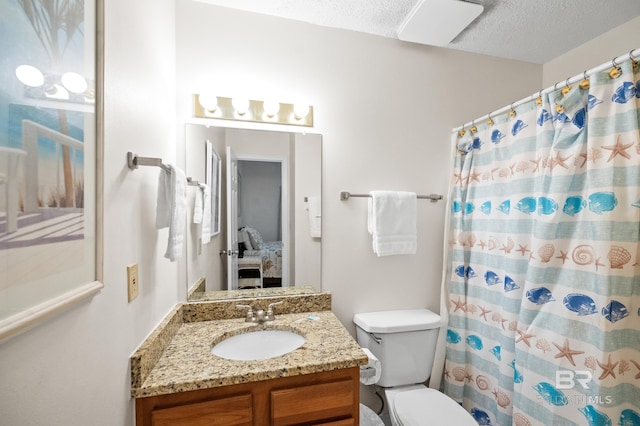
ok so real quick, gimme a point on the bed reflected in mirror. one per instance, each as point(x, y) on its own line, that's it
point(269, 213)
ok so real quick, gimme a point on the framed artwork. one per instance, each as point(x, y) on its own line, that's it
point(49, 104)
point(214, 166)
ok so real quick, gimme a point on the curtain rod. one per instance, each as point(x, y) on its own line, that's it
point(615, 62)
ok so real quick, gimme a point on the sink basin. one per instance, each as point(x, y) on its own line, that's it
point(258, 345)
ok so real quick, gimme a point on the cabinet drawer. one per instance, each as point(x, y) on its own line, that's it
point(311, 403)
point(224, 411)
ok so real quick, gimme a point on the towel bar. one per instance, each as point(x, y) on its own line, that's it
point(134, 160)
point(345, 195)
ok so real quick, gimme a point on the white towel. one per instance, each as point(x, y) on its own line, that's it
point(171, 209)
point(392, 222)
point(205, 196)
point(314, 207)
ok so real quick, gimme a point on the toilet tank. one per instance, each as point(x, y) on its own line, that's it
point(404, 341)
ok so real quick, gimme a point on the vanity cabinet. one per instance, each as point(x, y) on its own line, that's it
point(326, 398)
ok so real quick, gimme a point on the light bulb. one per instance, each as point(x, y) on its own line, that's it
point(208, 101)
point(300, 110)
point(30, 76)
point(271, 107)
point(74, 82)
point(241, 105)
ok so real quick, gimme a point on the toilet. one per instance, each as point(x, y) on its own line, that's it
point(404, 341)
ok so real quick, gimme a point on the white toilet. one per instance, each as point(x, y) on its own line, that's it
point(404, 342)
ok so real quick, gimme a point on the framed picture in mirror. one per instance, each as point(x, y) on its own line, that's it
point(213, 176)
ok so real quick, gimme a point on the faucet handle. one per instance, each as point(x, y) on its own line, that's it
point(270, 315)
point(249, 309)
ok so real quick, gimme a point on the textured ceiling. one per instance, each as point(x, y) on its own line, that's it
point(528, 30)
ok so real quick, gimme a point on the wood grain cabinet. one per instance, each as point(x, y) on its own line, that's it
point(327, 398)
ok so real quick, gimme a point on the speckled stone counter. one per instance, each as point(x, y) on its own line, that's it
point(199, 295)
point(177, 356)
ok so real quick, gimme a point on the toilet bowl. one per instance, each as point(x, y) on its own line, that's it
point(368, 417)
point(404, 343)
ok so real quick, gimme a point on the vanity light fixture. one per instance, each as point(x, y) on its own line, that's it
point(239, 109)
point(69, 87)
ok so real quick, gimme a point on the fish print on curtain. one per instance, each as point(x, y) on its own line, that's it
point(544, 272)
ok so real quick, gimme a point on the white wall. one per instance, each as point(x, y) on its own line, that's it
point(601, 49)
point(204, 260)
point(73, 369)
point(307, 183)
point(385, 109)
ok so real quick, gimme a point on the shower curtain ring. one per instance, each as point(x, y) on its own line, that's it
point(539, 98)
point(512, 113)
point(490, 121)
point(584, 84)
point(634, 62)
point(566, 87)
point(615, 72)
point(473, 128)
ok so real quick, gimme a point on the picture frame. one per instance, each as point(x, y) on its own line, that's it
point(50, 177)
point(214, 177)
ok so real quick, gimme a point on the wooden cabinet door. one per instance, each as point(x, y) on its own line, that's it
point(305, 404)
point(232, 411)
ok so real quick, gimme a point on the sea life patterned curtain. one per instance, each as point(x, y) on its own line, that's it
point(544, 260)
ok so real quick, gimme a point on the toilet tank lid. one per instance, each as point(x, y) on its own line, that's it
point(397, 321)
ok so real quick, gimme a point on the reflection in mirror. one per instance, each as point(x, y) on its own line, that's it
point(269, 213)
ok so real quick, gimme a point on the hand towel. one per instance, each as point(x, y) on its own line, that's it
point(202, 212)
point(171, 208)
point(314, 207)
point(205, 234)
point(392, 222)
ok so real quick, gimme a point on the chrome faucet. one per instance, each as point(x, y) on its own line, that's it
point(260, 316)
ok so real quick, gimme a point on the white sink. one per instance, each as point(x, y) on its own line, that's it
point(258, 345)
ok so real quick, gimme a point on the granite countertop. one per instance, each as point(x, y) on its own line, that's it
point(186, 363)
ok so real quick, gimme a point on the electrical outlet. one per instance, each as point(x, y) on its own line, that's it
point(132, 281)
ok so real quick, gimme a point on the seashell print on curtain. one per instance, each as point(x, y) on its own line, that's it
point(544, 261)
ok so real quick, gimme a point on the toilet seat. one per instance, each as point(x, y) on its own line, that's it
point(428, 406)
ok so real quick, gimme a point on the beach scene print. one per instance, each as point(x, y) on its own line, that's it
point(47, 113)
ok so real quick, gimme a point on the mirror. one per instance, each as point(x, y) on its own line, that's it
point(269, 214)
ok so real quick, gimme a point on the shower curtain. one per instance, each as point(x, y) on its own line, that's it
point(544, 262)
